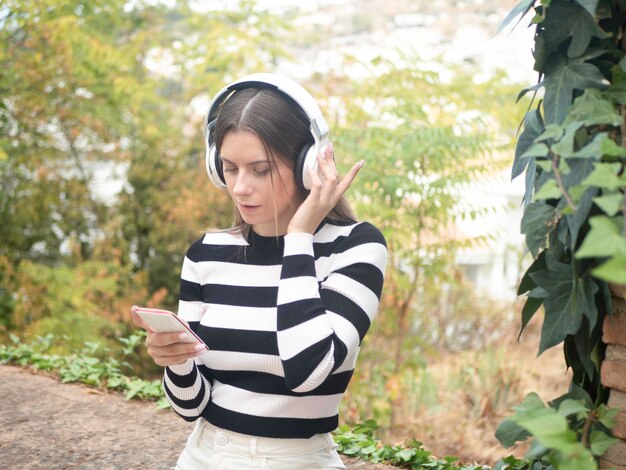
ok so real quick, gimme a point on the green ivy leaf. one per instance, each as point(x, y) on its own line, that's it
point(528, 312)
point(533, 126)
point(600, 442)
point(610, 203)
point(592, 109)
point(617, 90)
point(603, 240)
point(545, 165)
point(549, 428)
point(572, 407)
point(568, 299)
point(565, 20)
point(585, 343)
point(537, 223)
point(565, 146)
point(584, 203)
point(611, 149)
point(600, 145)
point(520, 9)
point(589, 5)
point(549, 190)
point(604, 175)
point(582, 460)
point(562, 78)
point(607, 415)
point(531, 402)
point(509, 432)
point(551, 132)
point(529, 182)
point(614, 270)
point(576, 393)
point(527, 284)
point(580, 168)
point(536, 150)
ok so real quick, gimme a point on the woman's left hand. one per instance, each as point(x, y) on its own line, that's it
point(326, 190)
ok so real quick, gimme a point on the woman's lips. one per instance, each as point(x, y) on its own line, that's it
point(247, 208)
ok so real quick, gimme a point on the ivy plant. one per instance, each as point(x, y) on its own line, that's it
point(572, 151)
point(568, 433)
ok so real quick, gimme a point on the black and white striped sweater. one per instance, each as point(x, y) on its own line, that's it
point(283, 318)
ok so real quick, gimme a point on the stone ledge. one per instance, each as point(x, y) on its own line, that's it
point(615, 352)
point(616, 456)
point(613, 374)
point(617, 399)
point(614, 466)
point(614, 327)
point(620, 425)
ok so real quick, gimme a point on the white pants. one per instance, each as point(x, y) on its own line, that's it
point(212, 448)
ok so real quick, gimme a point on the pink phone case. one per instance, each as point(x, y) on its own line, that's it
point(164, 321)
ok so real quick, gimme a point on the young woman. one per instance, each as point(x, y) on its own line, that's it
point(282, 299)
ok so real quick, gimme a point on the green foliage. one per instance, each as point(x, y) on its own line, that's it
point(93, 365)
point(60, 114)
point(359, 441)
point(567, 434)
point(573, 151)
point(98, 93)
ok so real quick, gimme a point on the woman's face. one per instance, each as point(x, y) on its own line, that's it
point(264, 191)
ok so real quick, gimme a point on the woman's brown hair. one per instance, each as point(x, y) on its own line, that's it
point(283, 128)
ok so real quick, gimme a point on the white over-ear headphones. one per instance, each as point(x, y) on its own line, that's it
point(307, 156)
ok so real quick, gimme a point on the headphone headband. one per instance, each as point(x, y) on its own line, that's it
point(318, 126)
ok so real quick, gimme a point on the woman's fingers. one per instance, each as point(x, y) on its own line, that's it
point(174, 350)
point(332, 188)
point(328, 177)
point(347, 180)
point(167, 339)
point(328, 168)
point(167, 349)
point(169, 360)
point(316, 182)
point(175, 354)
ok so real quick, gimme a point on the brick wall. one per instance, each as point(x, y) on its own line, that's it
point(614, 376)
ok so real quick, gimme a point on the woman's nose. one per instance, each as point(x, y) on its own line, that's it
point(242, 184)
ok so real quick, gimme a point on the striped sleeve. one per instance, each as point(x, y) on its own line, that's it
point(321, 326)
point(188, 389)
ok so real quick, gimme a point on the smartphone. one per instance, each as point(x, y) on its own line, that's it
point(164, 321)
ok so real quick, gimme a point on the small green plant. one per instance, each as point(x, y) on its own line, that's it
point(85, 366)
point(567, 433)
point(358, 441)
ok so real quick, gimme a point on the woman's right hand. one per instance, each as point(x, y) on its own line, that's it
point(168, 349)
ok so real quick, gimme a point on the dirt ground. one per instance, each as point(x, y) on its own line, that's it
point(49, 425)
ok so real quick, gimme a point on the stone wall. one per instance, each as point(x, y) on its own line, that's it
point(614, 376)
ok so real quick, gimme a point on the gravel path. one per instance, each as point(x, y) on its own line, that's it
point(49, 425)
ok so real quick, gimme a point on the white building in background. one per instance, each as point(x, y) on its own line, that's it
point(495, 266)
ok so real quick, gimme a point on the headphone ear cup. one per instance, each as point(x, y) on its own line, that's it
point(214, 167)
point(306, 158)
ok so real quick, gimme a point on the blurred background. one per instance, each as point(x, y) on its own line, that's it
point(103, 184)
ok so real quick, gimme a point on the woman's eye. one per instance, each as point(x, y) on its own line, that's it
point(262, 171)
point(229, 169)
